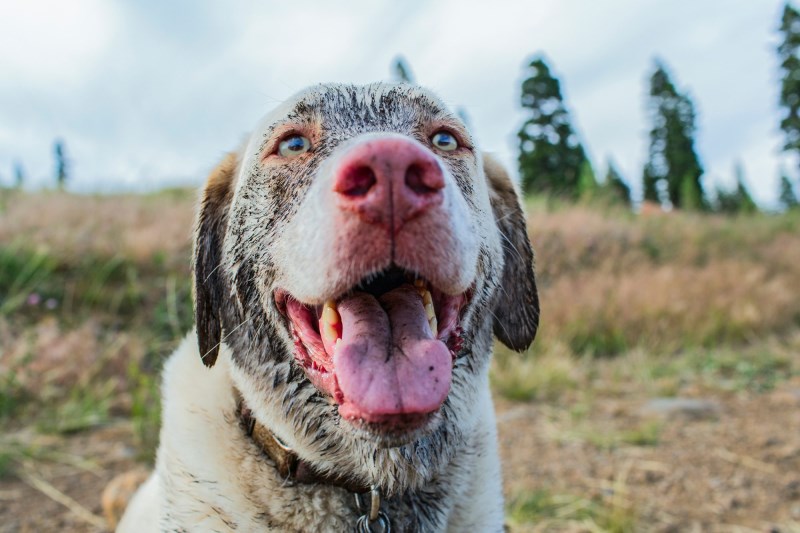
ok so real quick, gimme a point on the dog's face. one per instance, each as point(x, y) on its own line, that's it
point(356, 257)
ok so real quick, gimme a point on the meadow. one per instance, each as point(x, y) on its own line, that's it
point(662, 392)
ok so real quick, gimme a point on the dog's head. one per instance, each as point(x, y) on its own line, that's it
point(356, 256)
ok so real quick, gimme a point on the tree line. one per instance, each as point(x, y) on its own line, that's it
point(552, 159)
point(61, 167)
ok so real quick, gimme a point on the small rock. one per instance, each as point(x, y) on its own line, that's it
point(690, 408)
point(792, 489)
point(787, 398)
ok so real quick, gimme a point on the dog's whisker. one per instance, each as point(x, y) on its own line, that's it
point(228, 334)
point(212, 272)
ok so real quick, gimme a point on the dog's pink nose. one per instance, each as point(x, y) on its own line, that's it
point(389, 181)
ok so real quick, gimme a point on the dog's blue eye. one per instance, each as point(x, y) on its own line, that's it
point(444, 141)
point(293, 146)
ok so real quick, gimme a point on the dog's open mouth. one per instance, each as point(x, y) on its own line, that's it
point(383, 351)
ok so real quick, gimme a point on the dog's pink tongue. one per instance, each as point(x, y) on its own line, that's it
point(387, 362)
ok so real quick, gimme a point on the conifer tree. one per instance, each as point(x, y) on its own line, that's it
point(739, 199)
point(616, 186)
point(689, 194)
point(19, 175)
point(786, 194)
point(789, 56)
point(673, 170)
point(401, 71)
point(61, 163)
point(588, 188)
point(746, 202)
point(550, 154)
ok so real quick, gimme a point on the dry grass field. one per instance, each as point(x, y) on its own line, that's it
point(662, 394)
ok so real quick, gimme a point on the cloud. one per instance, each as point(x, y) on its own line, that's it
point(151, 93)
point(49, 42)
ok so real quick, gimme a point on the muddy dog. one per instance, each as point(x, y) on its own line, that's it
point(351, 264)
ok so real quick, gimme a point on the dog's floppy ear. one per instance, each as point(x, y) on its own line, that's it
point(209, 289)
point(516, 310)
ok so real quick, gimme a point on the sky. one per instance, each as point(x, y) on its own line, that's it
point(150, 94)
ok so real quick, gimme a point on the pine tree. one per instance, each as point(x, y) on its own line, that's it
point(550, 153)
point(672, 173)
point(19, 175)
point(61, 163)
point(786, 194)
point(588, 188)
point(616, 186)
point(650, 185)
point(401, 72)
point(689, 195)
point(746, 202)
point(789, 56)
point(739, 199)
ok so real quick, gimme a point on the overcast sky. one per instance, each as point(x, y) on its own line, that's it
point(150, 93)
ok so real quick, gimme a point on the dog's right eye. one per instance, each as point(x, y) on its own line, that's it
point(293, 146)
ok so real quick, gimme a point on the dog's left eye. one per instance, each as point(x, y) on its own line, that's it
point(444, 141)
point(293, 146)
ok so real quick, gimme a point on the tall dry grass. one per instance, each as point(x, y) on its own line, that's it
point(94, 293)
point(611, 281)
point(138, 228)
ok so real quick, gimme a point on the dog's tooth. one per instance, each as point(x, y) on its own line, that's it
point(329, 331)
point(426, 298)
point(429, 311)
point(329, 323)
point(420, 286)
point(434, 324)
point(329, 313)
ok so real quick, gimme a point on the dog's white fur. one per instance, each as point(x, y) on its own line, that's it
point(203, 446)
point(209, 475)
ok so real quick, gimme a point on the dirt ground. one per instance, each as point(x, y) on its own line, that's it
point(735, 467)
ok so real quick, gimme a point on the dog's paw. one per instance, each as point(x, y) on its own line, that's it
point(118, 494)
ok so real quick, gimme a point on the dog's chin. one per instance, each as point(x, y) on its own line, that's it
point(394, 432)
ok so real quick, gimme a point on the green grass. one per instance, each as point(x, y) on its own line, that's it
point(85, 407)
point(13, 396)
point(23, 272)
point(145, 410)
point(542, 509)
point(645, 434)
point(525, 377)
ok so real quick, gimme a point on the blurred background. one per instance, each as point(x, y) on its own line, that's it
point(658, 147)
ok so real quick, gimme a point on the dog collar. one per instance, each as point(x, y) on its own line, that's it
point(289, 465)
point(294, 469)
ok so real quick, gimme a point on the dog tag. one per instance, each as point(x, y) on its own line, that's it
point(379, 525)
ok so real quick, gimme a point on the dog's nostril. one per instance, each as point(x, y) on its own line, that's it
point(357, 182)
point(418, 182)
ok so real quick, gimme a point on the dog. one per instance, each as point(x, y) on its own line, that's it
point(351, 264)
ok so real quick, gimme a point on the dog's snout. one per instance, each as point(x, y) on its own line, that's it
point(389, 181)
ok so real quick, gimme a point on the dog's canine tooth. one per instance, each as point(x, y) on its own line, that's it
point(430, 312)
point(330, 319)
point(427, 299)
point(329, 312)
